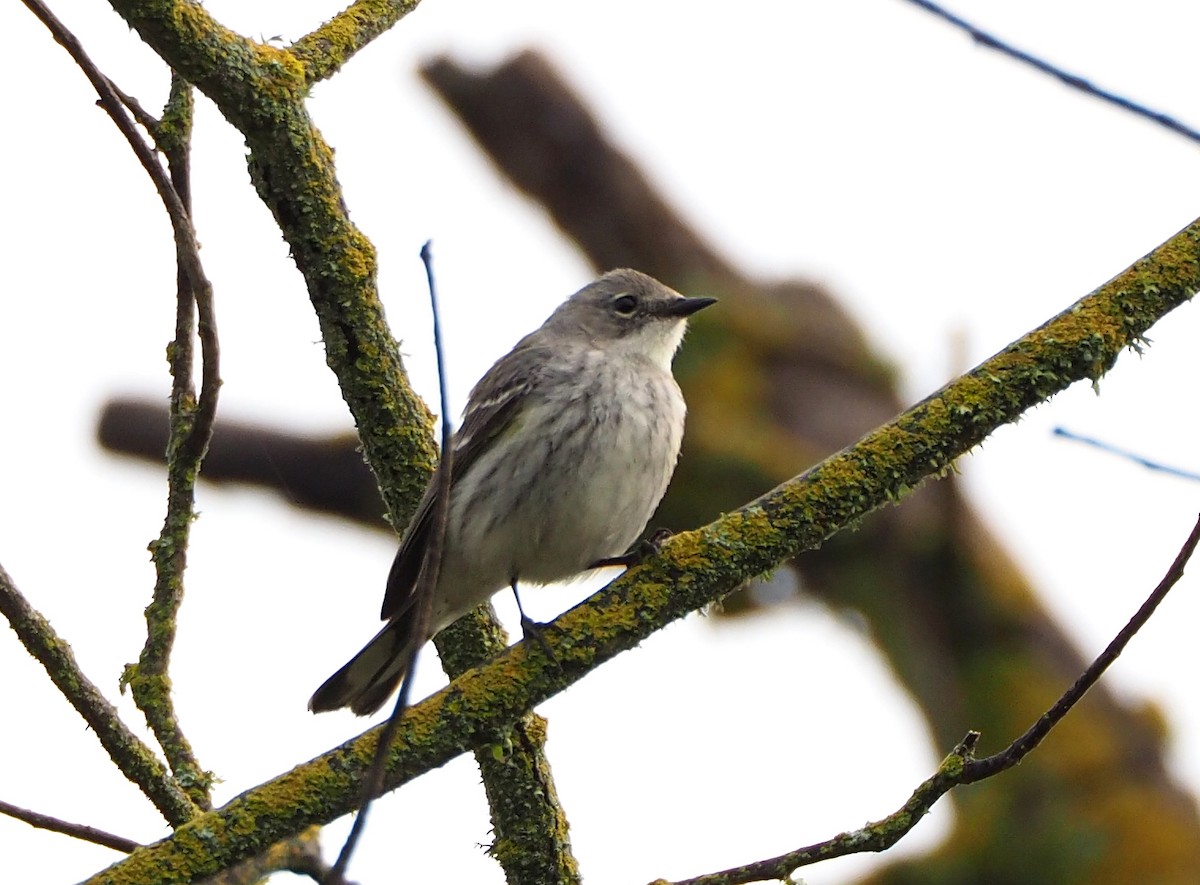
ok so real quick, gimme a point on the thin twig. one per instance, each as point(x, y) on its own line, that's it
point(190, 430)
point(134, 759)
point(1018, 749)
point(191, 424)
point(147, 120)
point(1127, 454)
point(112, 104)
point(78, 831)
point(983, 38)
point(430, 568)
point(960, 767)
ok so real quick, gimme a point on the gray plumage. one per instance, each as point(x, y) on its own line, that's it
point(566, 447)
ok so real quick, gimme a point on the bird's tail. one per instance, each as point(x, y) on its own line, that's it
point(370, 677)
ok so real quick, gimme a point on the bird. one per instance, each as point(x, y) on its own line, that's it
point(566, 447)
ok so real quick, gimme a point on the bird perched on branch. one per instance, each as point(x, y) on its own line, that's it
point(566, 447)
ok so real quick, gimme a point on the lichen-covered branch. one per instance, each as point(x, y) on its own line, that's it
point(261, 90)
point(135, 760)
point(191, 423)
point(699, 567)
point(326, 49)
point(530, 835)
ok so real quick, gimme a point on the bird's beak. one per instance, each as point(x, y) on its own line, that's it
point(685, 307)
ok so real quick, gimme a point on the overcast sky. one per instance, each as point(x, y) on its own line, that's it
point(943, 192)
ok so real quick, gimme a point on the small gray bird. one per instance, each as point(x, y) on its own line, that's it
point(566, 447)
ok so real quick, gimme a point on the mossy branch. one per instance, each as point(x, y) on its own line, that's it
point(699, 567)
point(135, 760)
point(325, 50)
point(190, 431)
point(261, 90)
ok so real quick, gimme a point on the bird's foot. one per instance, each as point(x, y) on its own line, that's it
point(638, 553)
point(535, 631)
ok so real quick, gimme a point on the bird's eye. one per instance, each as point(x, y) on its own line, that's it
point(625, 305)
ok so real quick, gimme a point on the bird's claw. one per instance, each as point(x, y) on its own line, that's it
point(638, 553)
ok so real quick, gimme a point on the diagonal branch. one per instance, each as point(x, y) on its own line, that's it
point(699, 567)
point(990, 41)
point(78, 831)
point(960, 767)
point(135, 760)
point(325, 50)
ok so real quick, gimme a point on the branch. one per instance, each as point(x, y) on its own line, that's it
point(1140, 460)
point(191, 425)
point(960, 767)
point(190, 430)
point(427, 579)
point(78, 831)
point(135, 760)
point(325, 50)
point(983, 38)
point(114, 106)
point(261, 90)
point(699, 567)
point(1021, 747)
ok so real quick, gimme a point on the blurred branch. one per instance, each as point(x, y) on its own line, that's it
point(134, 759)
point(77, 831)
point(325, 474)
point(1074, 81)
point(961, 766)
point(699, 567)
point(529, 121)
point(960, 624)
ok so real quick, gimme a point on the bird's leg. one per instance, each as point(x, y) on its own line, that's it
point(639, 552)
point(530, 628)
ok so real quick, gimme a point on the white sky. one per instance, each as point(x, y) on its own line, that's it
point(940, 189)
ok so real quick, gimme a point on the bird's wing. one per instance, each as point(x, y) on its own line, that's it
point(507, 384)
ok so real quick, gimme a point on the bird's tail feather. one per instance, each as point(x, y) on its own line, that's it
point(369, 679)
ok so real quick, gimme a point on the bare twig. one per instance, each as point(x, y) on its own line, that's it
point(78, 831)
point(114, 106)
point(147, 120)
point(134, 759)
point(960, 767)
point(983, 38)
point(430, 568)
point(1140, 460)
point(1018, 749)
